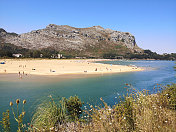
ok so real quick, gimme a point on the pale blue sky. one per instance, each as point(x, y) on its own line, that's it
point(152, 22)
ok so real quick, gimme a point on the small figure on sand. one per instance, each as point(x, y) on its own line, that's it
point(20, 76)
point(96, 69)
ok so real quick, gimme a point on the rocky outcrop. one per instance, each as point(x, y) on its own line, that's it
point(63, 37)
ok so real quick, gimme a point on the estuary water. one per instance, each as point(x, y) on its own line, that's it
point(35, 89)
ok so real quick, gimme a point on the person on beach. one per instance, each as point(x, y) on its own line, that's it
point(20, 76)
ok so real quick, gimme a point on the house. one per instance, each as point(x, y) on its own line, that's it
point(17, 55)
point(59, 56)
point(80, 57)
point(53, 56)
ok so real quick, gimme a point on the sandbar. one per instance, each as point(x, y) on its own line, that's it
point(61, 67)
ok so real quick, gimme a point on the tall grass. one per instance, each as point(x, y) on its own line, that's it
point(139, 111)
point(52, 115)
point(48, 114)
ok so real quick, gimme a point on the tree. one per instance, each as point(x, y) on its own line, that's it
point(36, 54)
point(109, 56)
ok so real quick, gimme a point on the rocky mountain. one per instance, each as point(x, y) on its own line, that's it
point(91, 41)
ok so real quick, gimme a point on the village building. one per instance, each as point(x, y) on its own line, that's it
point(17, 55)
point(59, 56)
point(80, 57)
point(41, 55)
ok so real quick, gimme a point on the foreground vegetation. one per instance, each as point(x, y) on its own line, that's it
point(138, 111)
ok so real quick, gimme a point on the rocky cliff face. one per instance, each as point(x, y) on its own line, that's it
point(63, 37)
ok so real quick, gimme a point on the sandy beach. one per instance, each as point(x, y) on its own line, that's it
point(60, 67)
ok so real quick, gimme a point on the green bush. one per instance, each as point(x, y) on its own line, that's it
point(73, 105)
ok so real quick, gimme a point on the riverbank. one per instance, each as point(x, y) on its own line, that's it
point(61, 67)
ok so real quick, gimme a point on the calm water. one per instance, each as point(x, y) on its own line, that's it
point(37, 88)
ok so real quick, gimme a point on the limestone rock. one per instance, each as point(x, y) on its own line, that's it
point(64, 37)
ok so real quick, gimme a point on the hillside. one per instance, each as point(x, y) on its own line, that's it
point(92, 41)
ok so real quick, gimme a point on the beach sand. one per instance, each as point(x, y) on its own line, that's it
point(60, 67)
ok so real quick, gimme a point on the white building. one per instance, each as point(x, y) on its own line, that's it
point(59, 56)
point(17, 55)
point(41, 55)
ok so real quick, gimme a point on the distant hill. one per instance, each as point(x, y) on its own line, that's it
point(92, 41)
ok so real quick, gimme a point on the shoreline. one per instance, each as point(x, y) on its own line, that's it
point(53, 67)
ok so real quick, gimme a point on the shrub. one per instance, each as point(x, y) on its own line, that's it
point(5, 121)
point(73, 105)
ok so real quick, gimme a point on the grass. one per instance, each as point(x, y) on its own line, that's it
point(52, 114)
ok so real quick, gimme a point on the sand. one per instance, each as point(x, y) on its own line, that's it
point(60, 67)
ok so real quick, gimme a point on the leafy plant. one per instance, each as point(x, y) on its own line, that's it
point(5, 121)
point(73, 105)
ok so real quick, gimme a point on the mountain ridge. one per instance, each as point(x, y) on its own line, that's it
point(90, 41)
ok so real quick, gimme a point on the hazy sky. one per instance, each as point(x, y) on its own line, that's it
point(152, 22)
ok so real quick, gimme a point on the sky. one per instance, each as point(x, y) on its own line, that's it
point(152, 22)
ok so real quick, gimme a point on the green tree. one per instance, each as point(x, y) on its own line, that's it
point(36, 54)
